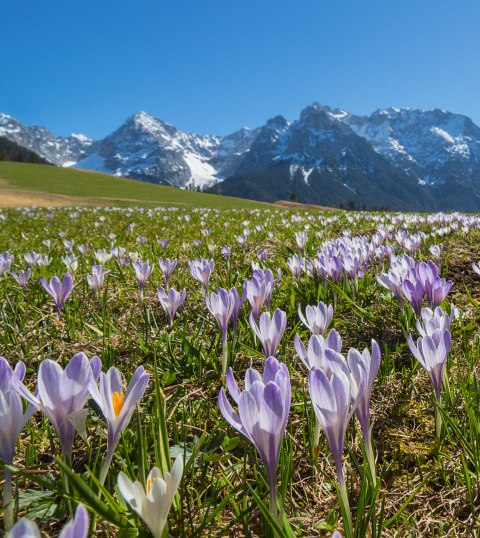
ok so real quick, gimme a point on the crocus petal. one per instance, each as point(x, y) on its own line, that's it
point(24, 528)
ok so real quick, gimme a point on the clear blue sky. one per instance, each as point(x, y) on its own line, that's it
point(214, 66)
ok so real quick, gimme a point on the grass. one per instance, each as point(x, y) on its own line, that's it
point(44, 185)
point(426, 487)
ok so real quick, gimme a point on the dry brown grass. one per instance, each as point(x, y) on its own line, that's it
point(12, 197)
point(296, 205)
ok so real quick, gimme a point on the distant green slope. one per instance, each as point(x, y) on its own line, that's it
point(105, 189)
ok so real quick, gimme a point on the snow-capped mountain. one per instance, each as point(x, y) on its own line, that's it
point(60, 150)
point(150, 149)
point(395, 158)
point(320, 159)
point(435, 146)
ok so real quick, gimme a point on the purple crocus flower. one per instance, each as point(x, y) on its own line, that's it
point(256, 293)
point(143, 270)
point(60, 292)
point(12, 421)
point(269, 330)
point(438, 291)
point(352, 266)
point(329, 266)
point(393, 281)
point(301, 239)
point(167, 266)
point(171, 301)
point(270, 281)
point(24, 528)
point(436, 288)
point(371, 362)
point(334, 400)
point(296, 264)
point(316, 356)
point(436, 250)
point(7, 373)
point(78, 527)
point(238, 302)
point(22, 277)
point(323, 353)
point(262, 256)
point(6, 261)
point(317, 318)
point(414, 292)
point(432, 320)
point(12, 417)
point(243, 239)
point(201, 270)
point(62, 395)
point(83, 249)
point(32, 258)
point(221, 305)
point(68, 244)
point(226, 252)
point(431, 351)
point(117, 406)
point(97, 278)
point(118, 252)
point(263, 409)
point(164, 243)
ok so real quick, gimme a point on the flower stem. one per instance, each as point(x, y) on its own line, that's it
point(273, 504)
point(8, 499)
point(67, 458)
point(316, 433)
point(370, 457)
point(438, 421)
point(346, 505)
point(106, 465)
point(225, 357)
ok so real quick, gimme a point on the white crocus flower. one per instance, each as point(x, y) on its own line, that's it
point(71, 262)
point(103, 256)
point(153, 505)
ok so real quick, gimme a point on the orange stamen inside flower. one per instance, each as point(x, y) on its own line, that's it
point(117, 401)
point(150, 482)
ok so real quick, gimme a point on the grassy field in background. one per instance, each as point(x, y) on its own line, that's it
point(24, 184)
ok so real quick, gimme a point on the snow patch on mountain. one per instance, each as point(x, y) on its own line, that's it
point(202, 172)
point(92, 162)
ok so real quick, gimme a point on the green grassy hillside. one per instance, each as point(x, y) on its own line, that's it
point(35, 184)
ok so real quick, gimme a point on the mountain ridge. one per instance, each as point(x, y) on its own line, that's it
point(401, 158)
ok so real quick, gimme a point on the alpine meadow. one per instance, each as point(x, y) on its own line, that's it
point(240, 269)
point(256, 372)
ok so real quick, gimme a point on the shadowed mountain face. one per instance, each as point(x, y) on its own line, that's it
point(11, 151)
point(394, 158)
